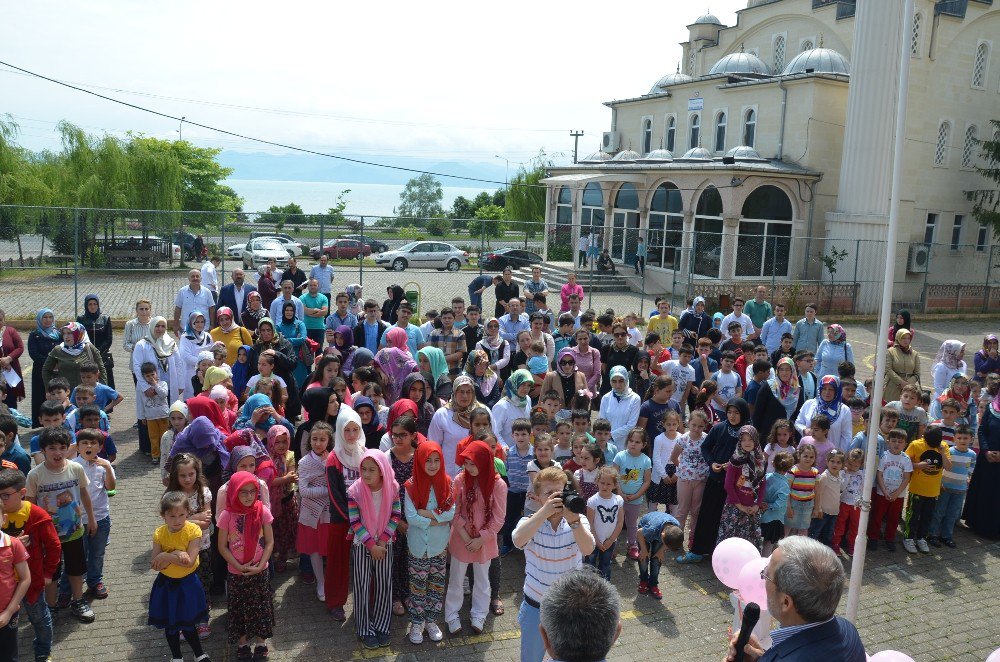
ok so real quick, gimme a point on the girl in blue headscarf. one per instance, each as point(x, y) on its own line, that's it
point(41, 341)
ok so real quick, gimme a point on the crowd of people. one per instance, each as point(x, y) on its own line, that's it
point(403, 457)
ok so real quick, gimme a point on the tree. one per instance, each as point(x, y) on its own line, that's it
point(986, 202)
point(279, 215)
point(20, 184)
point(462, 209)
point(489, 223)
point(438, 227)
point(335, 215)
point(421, 199)
point(525, 199)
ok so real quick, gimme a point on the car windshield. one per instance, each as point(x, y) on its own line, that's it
point(409, 246)
point(269, 245)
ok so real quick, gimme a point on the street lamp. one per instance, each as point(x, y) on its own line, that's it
point(506, 174)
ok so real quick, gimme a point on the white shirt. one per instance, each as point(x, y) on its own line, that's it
point(840, 430)
point(606, 514)
point(728, 383)
point(622, 415)
point(189, 301)
point(744, 320)
point(681, 375)
point(549, 554)
point(663, 448)
point(444, 430)
point(209, 277)
point(239, 294)
point(96, 474)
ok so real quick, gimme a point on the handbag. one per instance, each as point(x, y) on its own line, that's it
point(307, 351)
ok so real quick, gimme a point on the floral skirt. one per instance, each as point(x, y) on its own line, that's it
point(250, 606)
point(662, 493)
point(737, 524)
point(286, 527)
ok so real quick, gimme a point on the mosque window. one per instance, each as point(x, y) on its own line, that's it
point(807, 45)
point(695, 130)
point(979, 67)
point(691, 64)
point(915, 35)
point(941, 151)
point(720, 132)
point(749, 127)
point(671, 132)
point(647, 135)
point(969, 151)
point(779, 53)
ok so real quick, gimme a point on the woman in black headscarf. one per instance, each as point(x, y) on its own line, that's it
point(416, 388)
point(285, 359)
point(391, 305)
point(99, 331)
point(321, 404)
point(717, 449)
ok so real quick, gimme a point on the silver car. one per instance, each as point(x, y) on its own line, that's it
point(258, 251)
point(425, 254)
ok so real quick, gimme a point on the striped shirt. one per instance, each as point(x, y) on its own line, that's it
point(517, 469)
point(956, 479)
point(362, 536)
point(780, 634)
point(803, 483)
point(548, 555)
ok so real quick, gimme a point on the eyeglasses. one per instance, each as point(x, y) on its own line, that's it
point(400, 435)
point(763, 575)
point(621, 335)
point(569, 362)
point(5, 497)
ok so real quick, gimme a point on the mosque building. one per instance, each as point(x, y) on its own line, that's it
point(768, 153)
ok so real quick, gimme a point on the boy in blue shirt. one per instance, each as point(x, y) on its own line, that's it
point(776, 492)
point(954, 485)
point(518, 457)
point(51, 415)
point(105, 397)
point(10, 449)
point(658, 532)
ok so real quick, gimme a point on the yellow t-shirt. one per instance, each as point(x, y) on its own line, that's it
point(177, 542)
point(926, 482)
point(664, 326)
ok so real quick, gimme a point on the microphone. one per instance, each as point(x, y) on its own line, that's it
point(751, 614)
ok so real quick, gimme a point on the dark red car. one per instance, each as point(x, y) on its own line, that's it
point(342, 249)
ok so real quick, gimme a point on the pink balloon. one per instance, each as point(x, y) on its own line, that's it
point(891, 656)
point(751, 586)
point(994, 656)
point(729, 557)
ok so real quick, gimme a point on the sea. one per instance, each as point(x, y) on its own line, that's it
point(317, 197)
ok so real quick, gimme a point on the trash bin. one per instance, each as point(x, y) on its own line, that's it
point(413, 296)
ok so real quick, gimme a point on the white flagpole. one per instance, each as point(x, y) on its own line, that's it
point(885, 311)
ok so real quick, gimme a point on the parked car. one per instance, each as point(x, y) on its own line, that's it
point(342, 248)
point(257, 252)
point(294, 248)
point(436, 254)
point(186, 241)
point(236, 250)
point(376, 245)
point(515, 258)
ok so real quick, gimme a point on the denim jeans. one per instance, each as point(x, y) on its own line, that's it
point(532, 648)
point(602, 560)
point(649, 570)
point(41, 620)
point(94, 547)
point(821, 528)
point(946, 512)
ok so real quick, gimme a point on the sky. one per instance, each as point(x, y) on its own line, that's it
point(462, 81)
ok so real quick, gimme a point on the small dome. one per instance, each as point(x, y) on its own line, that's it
point(597, 157)
point(744, 153)
point(820, 61)
point(668, 80)
point(707, 19)
point(697, 154)
point(657, 155)
point(740, 63)
point(626, 156)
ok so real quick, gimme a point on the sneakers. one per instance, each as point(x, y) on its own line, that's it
point(922, 546)
point(654, 591)
point(643, 588)
point(949, 543)
point(454, 626)
point(633, 552)
point(910, 546)
point(321, 595)
point(63, 601)
point(872, 545)
point(338, 614)
point(369, 642)
point(433, 631)
point(890, 545)
point(934, 541)
point(204, 631)
point(477, 625)
point(82, 611)
point(690, 557)
point(99, 591)
point(416, 633)
point(382, 638)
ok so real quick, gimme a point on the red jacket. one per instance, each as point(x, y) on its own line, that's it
point(44, 550)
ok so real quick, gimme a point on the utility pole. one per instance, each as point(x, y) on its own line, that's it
point(180, 129)
point(576, 141)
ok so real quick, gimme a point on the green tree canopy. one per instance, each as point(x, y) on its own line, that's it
point(279, 215)
point(489, 223)
point(421, 199)
point(986, 201)
point(525, 199)
point(201, 173)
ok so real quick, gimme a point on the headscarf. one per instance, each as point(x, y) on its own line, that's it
point(241, 371)
point(751, 463)
point(419, 485)
point(492, 343)
point(80, 339)
point(372, 427)
point(237, 455)
point(258, 313)
point(347, 333)
point(538, 365)
point(395, 364)
point(984, 352)
point(201, 437)
point(905, 314)
point(225, 310)
point(900, 334)
point(839, 334)
point(362, 357)
point(620, 371)
point(375, 521)
point(253, 514)
point(489, 378)
point(180, 407)
point(190, 333)
point(480, 455)
point(565, 351)
point(439, 365)
point(89, 316)
point(948, 354)
point(274, 329)
point(425, 410)
point(164, 346)
point(391, 305)
point(744, 409)
point(462, 416)
point(276, 432)
point(717, 321)
point(253, 403)
point(396, 337)
point(642, 357)
point(202, 405)
point(963, 401)
point(829, 409)
point(514, 382)
point(52, 332)
point(349, 456)
point(315, 402)
point(214, 376)
point(787, 393)
point(284, 310)
point(995, 406)
point(401, 407)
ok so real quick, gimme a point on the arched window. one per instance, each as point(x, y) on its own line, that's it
point(807, 45)
point(779, 53)
point(707, 249)
point(915, 35)
point(671, 132)
point(666, 227)
point(765, 234)
point(720, 132)
point(564, 216)
point(979, 67)
point(969, 151)
point(592, 208)
point(749, 127)
point(695, 130)
point(941, 151)
point(647, 136)
point(625, 224)
point(691, 64)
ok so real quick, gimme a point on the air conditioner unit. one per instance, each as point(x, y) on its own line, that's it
point(611, 142)
point(918, 259)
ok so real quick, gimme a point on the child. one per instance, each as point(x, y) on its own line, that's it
point(84, 396)
point(58, 390)
point(314, 510)
point(177, 600)
point(912, 418)
point(776, 491)
point(206, 360)
point(602, 437)
point(857, 407)
point(703, 399)
point(430, 508)
point(481, 498)
point(179, 416)
point(954, 485)
point(563, 449)
point(375, 509)
point(539, 423)
point(591, 458)
point(577, 443)
point(804, 363)
point(663, 488)
point(245, 542)
point(787, 348)
point(564, 336)
point(760, 370)
point(663, 323)
point(89, 418)
point(826, 505)
point(12, 451)
point(343, 468)
point(894, 469)
point(543, 460)
point(682, 372)
point(580, 420)
point(692, 470)
point(779, 440)
point(59, 486)
point(284, 504)
point(15, 579)
point(819, 426)
point(634, 475)
point(658, 355)
point(929, 456)
point(52, 416)
point(676, 341)
point(518, 457)
point(152, 406)
point(803, 491)
point(27, 520)
point(634, 334)
point(948, 410)
point(850, 512)
point(658, 532)
point(241, 371)
point(605, 511)
point(101, 477)
point(887, 422)
point(105, 397)
point(744, 486)
point(186, 476)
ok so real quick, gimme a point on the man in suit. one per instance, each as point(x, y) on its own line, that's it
point(804, 581)
point(368, 332)
point(235, 294)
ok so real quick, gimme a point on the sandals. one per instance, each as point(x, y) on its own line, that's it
point(243, 653)
point(260, 653)
point(497, 607)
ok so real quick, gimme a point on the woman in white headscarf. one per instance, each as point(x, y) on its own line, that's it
point(949, 360)
point(195, 340)
point(620, 406)
point(160, 349)
point(343, 468)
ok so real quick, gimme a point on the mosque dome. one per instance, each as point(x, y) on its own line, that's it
point(820, 61)
point(697, 154)
point(707, 19)
point(597, 157)
point(744, 153)
point(658, 155)
point(626, 156)
point(740, 63)
point(669, 79)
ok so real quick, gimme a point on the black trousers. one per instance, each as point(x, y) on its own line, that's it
point(706, 531)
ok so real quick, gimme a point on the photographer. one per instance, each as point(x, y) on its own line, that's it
point(555, 540)
point(580, 617)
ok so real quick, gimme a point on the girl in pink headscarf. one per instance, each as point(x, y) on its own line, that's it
point(396, 337)
point(284, 504)
point(374, 509)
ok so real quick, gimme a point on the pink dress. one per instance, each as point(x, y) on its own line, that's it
point(489, 530)
point(564, 293)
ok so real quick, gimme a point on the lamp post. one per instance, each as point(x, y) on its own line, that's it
point(180, 128)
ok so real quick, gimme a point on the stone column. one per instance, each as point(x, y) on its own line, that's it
point(687, 244)
point(727, 255)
